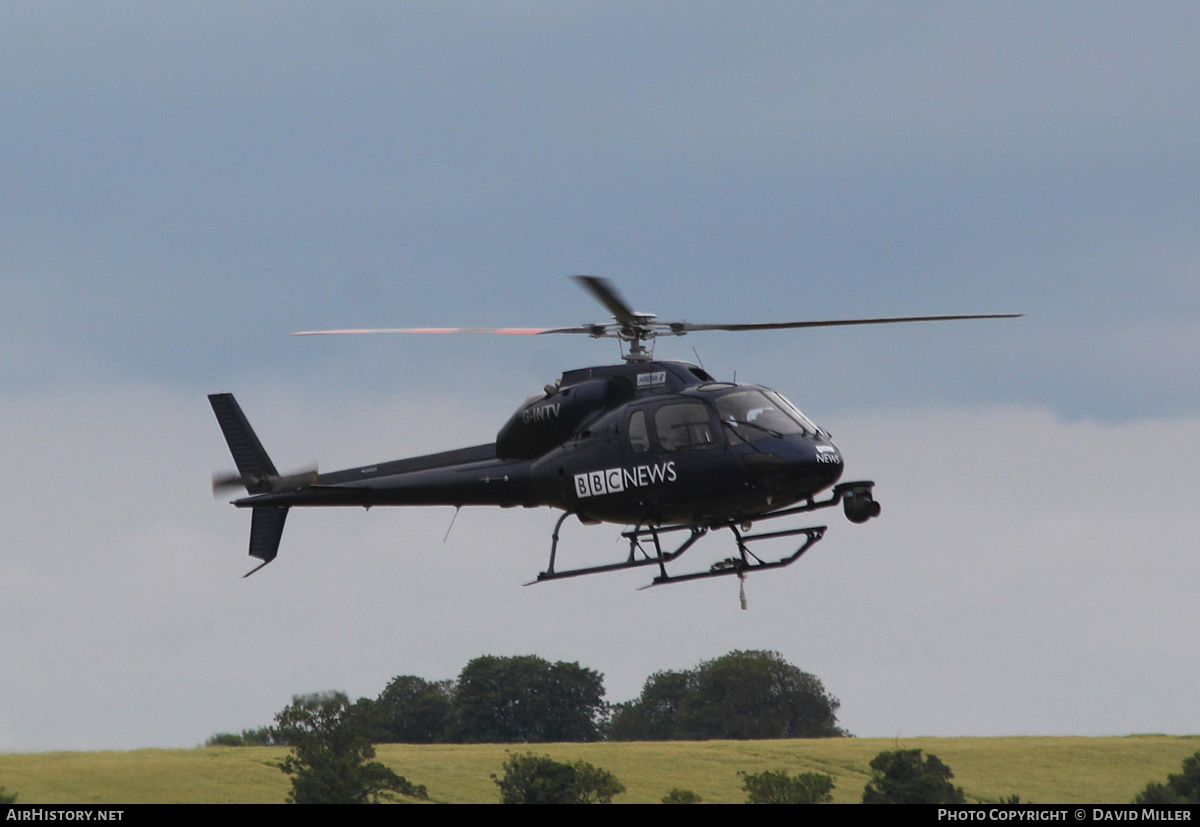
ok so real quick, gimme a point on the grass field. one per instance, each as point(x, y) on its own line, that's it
point(1040, 770)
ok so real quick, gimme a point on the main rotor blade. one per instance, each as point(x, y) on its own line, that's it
point(503, 331)
point(606, 293)
point(687, 327)
point(653, 328)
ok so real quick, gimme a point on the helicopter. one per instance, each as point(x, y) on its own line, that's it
point(660, 447)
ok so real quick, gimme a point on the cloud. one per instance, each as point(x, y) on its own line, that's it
point(1026, 576)
point(184, 187)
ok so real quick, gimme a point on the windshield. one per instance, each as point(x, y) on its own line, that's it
point(751, 415)
point(807, 423)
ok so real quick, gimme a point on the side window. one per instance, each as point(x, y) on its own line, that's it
point(639, 436)
point(683, 426)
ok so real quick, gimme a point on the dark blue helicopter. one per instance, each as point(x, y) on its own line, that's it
point(658, 446)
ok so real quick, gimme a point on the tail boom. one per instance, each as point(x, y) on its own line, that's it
point(466, 476)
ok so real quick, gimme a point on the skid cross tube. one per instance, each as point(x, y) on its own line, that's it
point(633, 561)
point(747, 561)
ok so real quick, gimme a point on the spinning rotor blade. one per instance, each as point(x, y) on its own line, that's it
point(685, 327)
point(503, 331)
point(635, 329)
point(605, 292)
point(222, 482)
point(663, 328)
point(601, 289)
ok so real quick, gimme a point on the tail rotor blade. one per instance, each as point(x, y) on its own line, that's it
point(225, 481)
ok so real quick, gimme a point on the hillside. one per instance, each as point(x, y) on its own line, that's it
point(1040, 770)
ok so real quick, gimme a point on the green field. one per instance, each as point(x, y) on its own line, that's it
point(1040, 770)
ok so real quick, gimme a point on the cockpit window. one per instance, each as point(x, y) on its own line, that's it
point(683, 426)
point(751, 415)
point(639, 436)
point(796, 413)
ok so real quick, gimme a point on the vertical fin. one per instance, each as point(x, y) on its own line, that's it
point(257, 474)
point(266, 529)
point(249, 455)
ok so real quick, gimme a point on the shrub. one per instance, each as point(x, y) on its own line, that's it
point(539, 779)
point(906, 777)
point(780, 788)
point(1183, 788)
point(678, 796)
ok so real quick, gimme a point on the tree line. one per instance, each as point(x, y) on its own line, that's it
point(527, 699)
point(331, 763)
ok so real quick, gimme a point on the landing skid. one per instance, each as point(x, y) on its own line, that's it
point(645, 545)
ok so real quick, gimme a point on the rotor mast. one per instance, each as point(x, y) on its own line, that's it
point(633, 336)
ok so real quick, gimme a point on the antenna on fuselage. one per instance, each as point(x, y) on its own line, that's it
point(454, 517)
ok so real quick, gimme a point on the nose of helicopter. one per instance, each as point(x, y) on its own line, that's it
point(826, 463)
point(807, 466)
point(820, 466)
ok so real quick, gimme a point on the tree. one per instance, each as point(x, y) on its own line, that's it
point(7, 798)
point(539, 779)
point(778, 787)
point(261, 737)
point(655, 714)
point(907, 777)
point(741, 695)
point(527, 699)
point(413, 710)
point(331, 751)
point(1183, 788)
point(678, 796)
point(756, 695)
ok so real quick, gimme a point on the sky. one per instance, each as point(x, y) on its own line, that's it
point(183, 184)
